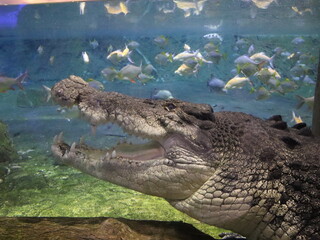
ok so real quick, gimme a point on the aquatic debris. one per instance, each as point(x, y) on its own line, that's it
point(161, 94)
point(82, 6)
point(301, 12)
point(215, 84)
point(121, 7)
point(212, 36)
point(161, 41)
point(309, 101)
point(8, 83)
point(85, 57)
point(296, 119)
point(195, 6)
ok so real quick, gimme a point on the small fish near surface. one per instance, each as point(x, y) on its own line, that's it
point(8, 83)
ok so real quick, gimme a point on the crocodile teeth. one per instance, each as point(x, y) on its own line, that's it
point(113, 154)
point(73, 147)
point(107, 156)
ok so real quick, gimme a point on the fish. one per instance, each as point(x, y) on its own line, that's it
point(82, 6)
point(309, 101)
point(262, 93)
point(298, 40)
point(187, 69)
point(48, 92)
point(117, 9)
point(300, 70)
point(119, 55)
point(301, 12)
point(308, 80)
point(144, 78)
point(161, 94)
point(149, 69)
point(129, 72)
point(212, 36)
point(213, 27)
point(244, 59)
point(185, 55)
point(161, 41)
point(265, 74)
point(236, 82)
point(251, 49)
point(133, 45)
point(51, 60)
point(186, 47)
point(95, 84)
point(215, 84)
point(109, 73)
point(40, 50)
point(296, 119)
point(8, 83)
point(210, 47)
point(85, 57)
point(263, 4)
point(214, 56)
point(287, 86)
point(187, 6)
point(94, 43)
point(261, 56)
point(163, 58)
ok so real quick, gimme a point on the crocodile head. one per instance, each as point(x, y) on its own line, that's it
point(225, 169)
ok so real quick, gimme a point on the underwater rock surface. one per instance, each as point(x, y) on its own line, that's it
point(7, 151)
point(96, 228)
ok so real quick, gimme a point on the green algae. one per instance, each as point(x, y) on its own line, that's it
point(41, 188)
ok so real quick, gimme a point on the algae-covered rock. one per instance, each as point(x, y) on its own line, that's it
point(7, 151)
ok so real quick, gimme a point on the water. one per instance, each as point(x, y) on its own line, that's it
point(47, 40)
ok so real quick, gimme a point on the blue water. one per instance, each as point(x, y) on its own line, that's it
point(63, 34)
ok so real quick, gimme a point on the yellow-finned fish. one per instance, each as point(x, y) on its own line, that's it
point(296, 119)
point(119, 55)
point(7, 83)
point(236, 82)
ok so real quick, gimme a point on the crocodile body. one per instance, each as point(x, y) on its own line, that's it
point(255, 177)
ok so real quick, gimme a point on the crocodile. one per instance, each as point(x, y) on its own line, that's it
point(256, 177)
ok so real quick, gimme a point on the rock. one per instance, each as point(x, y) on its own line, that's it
point(96, 229)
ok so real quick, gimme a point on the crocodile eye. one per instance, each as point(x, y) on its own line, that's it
point(169, 107)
